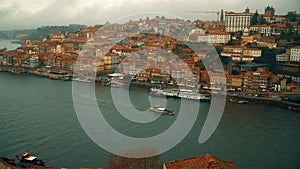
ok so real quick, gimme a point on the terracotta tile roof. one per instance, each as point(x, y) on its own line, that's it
point(236, 13)
point(264, 25)
point(200, 162)
point(264, 15)
point(233, 47)
point(296, 47)
point(278, 25)
point(219, 33)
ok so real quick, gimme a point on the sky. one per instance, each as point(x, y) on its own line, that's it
point(25, 14)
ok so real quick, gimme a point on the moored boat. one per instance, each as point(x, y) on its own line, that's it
point(242, 102)
point(237, 101)
point(162, 110)
point(27, 158)
point(180, 94)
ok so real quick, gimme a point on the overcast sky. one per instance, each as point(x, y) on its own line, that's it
point(23, 14)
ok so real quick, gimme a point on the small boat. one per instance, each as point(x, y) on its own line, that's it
point(193, 96)
point(242, 102)
point(27, 158)
point(162, 110)
point(237, 101)
point(81, 79)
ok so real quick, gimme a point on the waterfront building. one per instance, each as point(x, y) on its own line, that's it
point(234, 81)
point(111, 61)
point(212, 78)
point(259, 80)
point(34, 61)
point(10, 60)
point(237, 21)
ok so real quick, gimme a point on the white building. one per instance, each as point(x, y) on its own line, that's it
point(252, 52)
point(237, 21)
point(295, 54)
point(285, 57)
point(230, 51)
point(34, 61)
point(267, 17)
point(197, 35)
point(241, 54)
point(219, 37)
point(263, 29)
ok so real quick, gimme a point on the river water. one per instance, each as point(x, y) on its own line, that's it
point(37, 115)
point(6, 43)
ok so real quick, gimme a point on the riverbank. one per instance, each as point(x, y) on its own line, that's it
point(269, 97)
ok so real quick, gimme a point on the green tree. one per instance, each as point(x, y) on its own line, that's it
point(254, 19)
point(117, 162)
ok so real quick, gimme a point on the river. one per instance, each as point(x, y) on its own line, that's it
point(6, 43)
point(37, 115)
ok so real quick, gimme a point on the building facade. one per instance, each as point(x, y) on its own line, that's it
point(295, 54)
point(237, 21)
point(219, 37)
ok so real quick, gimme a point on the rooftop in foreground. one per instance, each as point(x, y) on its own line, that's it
point(206, 161)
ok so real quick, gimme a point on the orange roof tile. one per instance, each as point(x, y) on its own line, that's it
point(232, 47)
point(279, 25)
point(296, 47)
point(219, 33)
point(264, 15)
point(200, 162)
point(264, 25)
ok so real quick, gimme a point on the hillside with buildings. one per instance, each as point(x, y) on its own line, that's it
point(260, 52)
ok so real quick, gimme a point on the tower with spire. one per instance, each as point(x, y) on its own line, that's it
point(270, 10)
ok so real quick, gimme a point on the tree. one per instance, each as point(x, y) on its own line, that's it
point(261, 21)
point(254, 19)
point(117, 162)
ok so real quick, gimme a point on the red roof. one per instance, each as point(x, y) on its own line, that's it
point(296, 47)
point(237, 13)
point(200, 162)
point(233, 47)
point(264, 25)
point(219, 33)
point(264, 15)
point(279, 25)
